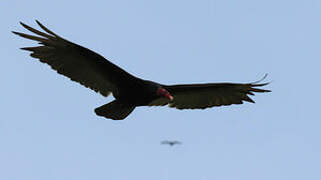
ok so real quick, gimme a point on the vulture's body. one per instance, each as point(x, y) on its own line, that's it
point(97, 73)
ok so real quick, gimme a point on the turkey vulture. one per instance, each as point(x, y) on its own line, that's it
point(171, 143)
point(97, 73)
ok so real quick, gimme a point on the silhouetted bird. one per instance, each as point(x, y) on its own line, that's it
point(97, 73)
point(171, 143)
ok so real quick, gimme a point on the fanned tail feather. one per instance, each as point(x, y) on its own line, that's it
point(114, 110)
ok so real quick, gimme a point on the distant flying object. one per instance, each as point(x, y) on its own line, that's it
point(171, 143)
point(97, 73)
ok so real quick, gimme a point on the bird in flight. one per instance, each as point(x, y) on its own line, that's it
point(97, 73)
point(171, 143)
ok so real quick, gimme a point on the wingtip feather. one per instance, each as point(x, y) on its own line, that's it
point(46, 29)
point(248, 99)
point(26, 48)
point(258, 84)
point(21, 23)
point(15, 32)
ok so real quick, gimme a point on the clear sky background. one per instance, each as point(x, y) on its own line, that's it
point(48, 129)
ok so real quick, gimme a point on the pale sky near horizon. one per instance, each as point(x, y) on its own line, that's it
point(48, 129)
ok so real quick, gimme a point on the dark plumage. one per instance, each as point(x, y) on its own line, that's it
point(97, 73)
point(171, 143)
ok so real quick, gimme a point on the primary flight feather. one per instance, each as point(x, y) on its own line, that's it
point(97, 73)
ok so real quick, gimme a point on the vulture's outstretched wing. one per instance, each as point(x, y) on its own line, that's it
point(201, 96)
point(76, 62)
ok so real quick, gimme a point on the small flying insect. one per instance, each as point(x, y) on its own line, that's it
point(171, 143)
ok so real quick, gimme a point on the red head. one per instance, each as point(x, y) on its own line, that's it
point(164, 93)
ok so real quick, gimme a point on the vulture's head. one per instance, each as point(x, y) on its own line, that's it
point(162, 92)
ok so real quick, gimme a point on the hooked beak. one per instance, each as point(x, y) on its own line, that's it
point(164, 93)
point(169, 96)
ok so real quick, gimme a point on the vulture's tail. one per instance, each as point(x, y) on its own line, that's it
point(114, 110)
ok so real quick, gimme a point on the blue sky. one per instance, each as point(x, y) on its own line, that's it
point(48, 129)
